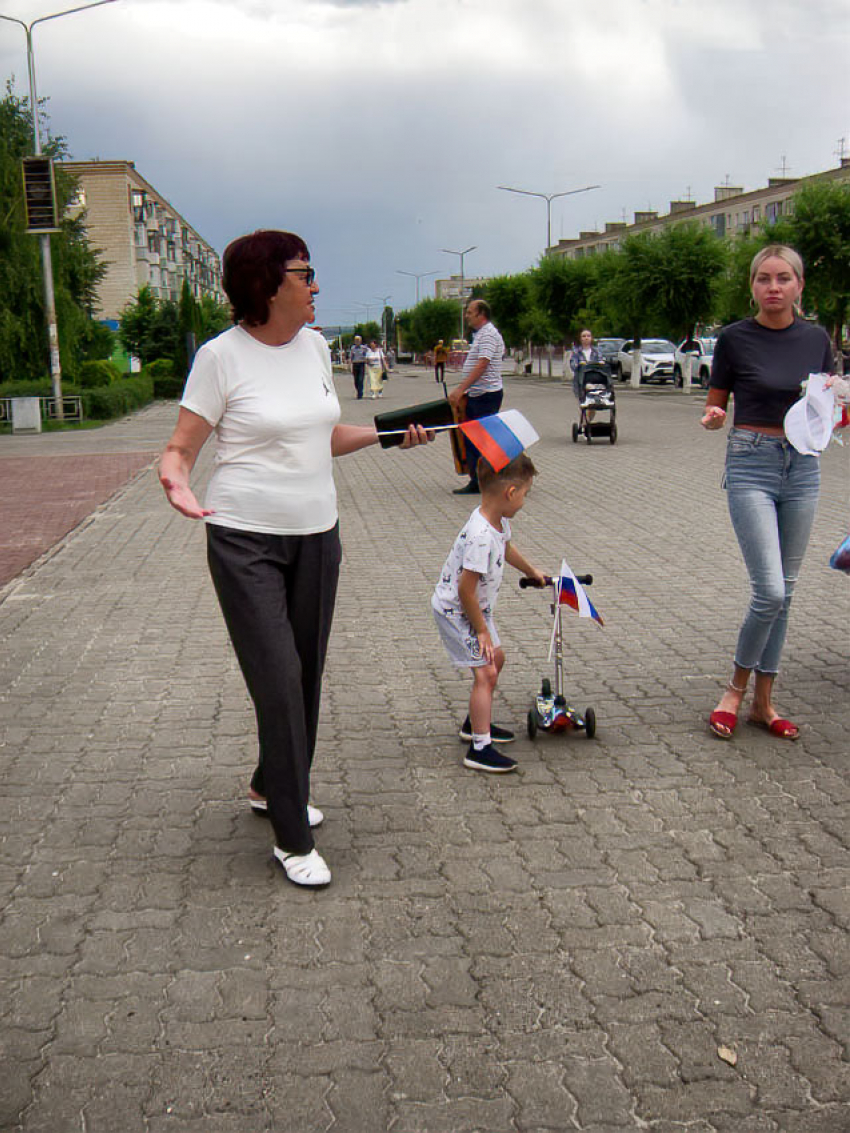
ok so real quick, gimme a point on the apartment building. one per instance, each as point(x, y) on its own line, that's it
point(732, 212)
point(451, 288)
point(142, 239)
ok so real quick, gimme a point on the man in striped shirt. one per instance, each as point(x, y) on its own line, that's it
point(481, 382)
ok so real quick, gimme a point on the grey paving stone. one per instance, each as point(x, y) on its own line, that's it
point(561, 950)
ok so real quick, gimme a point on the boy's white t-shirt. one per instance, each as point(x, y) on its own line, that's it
point(480, 548)
point(273, 409)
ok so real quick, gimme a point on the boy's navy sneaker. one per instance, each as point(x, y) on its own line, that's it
point(497, 735)
point(488, 759)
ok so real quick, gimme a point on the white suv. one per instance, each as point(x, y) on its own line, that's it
point(702, 353)
point(656, 360)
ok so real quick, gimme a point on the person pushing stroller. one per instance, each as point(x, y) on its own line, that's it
point(465, 597)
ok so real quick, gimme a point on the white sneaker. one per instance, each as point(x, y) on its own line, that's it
point(310, 870)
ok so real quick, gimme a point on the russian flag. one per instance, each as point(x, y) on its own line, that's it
point(501, 437)
point(571, 593)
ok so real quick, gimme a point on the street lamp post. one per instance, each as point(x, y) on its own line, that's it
point(417, 276)
point(44, 239)
point(383, 300)
point(548, 198)
point(453, 252)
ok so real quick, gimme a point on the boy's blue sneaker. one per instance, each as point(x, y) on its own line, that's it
point(488, 759)
point(497, 735)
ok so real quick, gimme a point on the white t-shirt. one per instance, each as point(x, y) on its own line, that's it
point(273, 409)
point(486, 343)
point(480, 548)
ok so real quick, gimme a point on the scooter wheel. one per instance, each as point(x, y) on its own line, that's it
point(531, 724)
point(545, 687)
point(575, 433)
point(613, 435)
point(590, 723)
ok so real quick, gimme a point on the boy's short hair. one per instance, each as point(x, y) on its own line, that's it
point(519, 471)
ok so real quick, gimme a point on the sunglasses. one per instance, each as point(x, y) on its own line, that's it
point(309, 274)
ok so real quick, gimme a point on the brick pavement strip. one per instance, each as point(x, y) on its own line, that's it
point(562, 950)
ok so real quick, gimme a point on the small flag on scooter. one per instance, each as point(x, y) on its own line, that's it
point(571, 593)
point(501, 437)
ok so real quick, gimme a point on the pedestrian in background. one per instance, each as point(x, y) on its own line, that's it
point(358, 364)
point(376, 369)
point(266, 388)
point(481, 383)
point(772, 489)
point(441, 356)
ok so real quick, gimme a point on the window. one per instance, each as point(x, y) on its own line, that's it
point(756, 213)
point(153, 242)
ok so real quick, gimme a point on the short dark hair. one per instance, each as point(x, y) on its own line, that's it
point(519, 471)
point(481, 305)
point(253, 268)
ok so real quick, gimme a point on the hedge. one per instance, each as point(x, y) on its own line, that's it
point(97, 373)
point(100, 404)
point(118, 399)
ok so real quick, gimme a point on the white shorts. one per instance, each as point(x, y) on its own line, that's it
point(461, 641)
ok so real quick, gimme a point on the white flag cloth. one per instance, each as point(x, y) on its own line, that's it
point(808, 423)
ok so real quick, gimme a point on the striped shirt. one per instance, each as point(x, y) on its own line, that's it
point(486, 343)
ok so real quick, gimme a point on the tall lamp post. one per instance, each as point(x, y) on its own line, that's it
point(44, 239)
point(417, 275)
point(453, 252)
point(383, 300)
point(548, 198)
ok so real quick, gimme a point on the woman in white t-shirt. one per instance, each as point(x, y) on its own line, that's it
point(265, 388)
point(376, 365)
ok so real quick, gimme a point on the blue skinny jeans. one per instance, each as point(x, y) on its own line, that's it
point(773, 494)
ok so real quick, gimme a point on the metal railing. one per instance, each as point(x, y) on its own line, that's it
point(72, 408)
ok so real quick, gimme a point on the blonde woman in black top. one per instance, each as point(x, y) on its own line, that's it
point(771, 488)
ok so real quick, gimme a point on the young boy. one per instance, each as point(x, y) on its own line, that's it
point(465, 596)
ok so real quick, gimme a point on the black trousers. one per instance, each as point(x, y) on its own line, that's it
point(277, 595)
point(439, 371)
point(358, 372)
point(485, 405)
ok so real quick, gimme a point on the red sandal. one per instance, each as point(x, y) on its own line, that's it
point(723, 724)
point(782, 729)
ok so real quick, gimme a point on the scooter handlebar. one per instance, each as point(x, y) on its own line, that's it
point(526, 583)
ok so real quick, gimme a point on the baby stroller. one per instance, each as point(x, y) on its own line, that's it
point(595, 392)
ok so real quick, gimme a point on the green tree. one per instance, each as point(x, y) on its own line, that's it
point(690, 262)
point(429, 321)
point(513, 308)
point(566, 292)
point(154, 328)
point(76, 270)
point(819, 229)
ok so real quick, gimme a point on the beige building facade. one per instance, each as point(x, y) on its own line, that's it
point(732, 212)
point(141, 238)
point(452, 287)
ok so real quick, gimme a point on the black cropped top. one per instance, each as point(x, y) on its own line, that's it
point(763, 368)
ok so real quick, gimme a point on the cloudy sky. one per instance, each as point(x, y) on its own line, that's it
point(380, 130)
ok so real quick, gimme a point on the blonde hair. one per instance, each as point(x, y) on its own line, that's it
point(782, 252)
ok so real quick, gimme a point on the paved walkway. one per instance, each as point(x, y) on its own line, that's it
point(51, 482)
point(564, 949)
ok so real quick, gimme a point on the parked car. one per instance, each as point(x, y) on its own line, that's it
point(656, 360)
point(609, 348)
point(702, 350)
